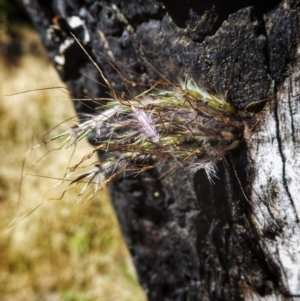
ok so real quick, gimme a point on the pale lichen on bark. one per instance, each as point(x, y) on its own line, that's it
point(275, 158)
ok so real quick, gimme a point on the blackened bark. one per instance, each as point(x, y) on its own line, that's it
point(190, 239)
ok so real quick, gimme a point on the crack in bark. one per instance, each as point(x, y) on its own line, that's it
point(280, 148)
point(291, 113)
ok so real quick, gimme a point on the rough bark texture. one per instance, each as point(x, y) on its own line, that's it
point(236, 239)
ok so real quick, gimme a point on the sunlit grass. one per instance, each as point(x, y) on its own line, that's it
point(56, 249)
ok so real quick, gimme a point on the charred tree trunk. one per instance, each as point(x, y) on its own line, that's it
point(239, 237)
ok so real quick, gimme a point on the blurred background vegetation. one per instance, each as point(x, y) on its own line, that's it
point(50, 248)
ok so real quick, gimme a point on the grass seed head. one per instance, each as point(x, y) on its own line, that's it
point(183, 122)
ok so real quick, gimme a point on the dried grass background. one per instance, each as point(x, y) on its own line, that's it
point(60, 250)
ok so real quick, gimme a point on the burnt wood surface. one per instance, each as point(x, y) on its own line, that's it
point(190, 239)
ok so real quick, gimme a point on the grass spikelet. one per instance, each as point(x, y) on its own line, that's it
point(182, 122)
